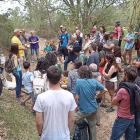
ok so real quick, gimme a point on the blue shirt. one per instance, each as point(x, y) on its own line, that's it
point(28, 77)
point(72, 56)
point(94, 58)
point(65, 38)
point(86, 89)
point(79, 39)
point(129, 45)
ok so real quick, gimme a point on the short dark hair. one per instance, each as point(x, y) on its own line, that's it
point(42, 65)
point(85, 72)
point(100, 46)
point(26, 65)
point(104, 29)
point(54, 75)
point(131, 72)
point(76, 49)
point(106, 37)
point(77, 63)
point(65, 73)
point(93, 46)
point(88, 35)
point(14, 49)
point(51, 58)
point(117, 51)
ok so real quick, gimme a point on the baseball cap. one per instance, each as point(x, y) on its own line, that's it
point(17, 30)
point(32, 31)
point(92, 31)
point(61, 26)
point(118, 22)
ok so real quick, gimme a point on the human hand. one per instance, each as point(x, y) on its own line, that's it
point(77, 109)
point(24, 48)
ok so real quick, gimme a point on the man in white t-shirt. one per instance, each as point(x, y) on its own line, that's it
point(87, 45)
point(55, 109)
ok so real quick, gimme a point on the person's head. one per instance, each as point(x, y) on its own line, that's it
point(87, 36)
point(76, 28)
point(95, 28)
point(93, 47)
point(128, 29)
point(51, 42)
point(130, 73)
point(77, 33)
point(102, 29)
point(111, 60)
point(23, 31)
point(26, 65)
point(17, 32)
point(51, 58)
point(14, 50)
point(73, 38)
point(111, 35)
point(61, 27)
point(65, 73)
point(99, 46)
point(47, 43)
point(63, 30)
point(93, 67)
point(42, 65)
point(32, 33)
point(92, 32)
point(117, 23)
point(106, 37)
point(77, 64)
point(116, 51)
point(77, 49)
point(85, 72)
point(53, 75)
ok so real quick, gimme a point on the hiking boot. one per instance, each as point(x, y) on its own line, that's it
point(110, 109)
point(102, 105)
point(22, 103)
point(32, 61)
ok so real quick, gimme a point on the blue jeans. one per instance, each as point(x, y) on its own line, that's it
point(18, 76)
point(137, 125)
point(26, 54)
point(122, 126)
point(66, 63)
point(36, 50)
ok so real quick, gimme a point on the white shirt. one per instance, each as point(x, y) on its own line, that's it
point(55, 106)
point(87, 51)
point(118, 60)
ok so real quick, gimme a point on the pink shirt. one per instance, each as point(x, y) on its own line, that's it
point(116, 31)
point(124, 107)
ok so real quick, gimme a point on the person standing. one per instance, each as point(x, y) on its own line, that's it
point(111, 43)
point(77, 28)
point(85, 93)
point(137, 40)
point(64, 43)
point(129, 39)
point(33, 41)
point(21, 48)
point(87, 45)
point(24, 38)
point(79, 38)
point(71, 56)
point(55, 109)
point(97, 33)
point(94, 57)
point(93, 38)
point(60, 31)
point(118, 32)
point(102, 32)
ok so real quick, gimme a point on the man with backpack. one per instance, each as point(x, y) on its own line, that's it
point(64, 42)
point(55, 109)
point(128, 101)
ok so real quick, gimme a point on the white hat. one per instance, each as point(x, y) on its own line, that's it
point(61, 26)
point(32, 31)
point(17, 30)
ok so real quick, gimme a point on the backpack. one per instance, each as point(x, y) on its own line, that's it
point(39, 84)
point(8, 66)
point(81, 131)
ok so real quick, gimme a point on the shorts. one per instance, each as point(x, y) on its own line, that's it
point(110, 85)
point(62, 50)
point(32, 96)
point(32, 51)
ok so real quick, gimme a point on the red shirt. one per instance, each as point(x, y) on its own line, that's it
point(124, 107)
point(116, 31)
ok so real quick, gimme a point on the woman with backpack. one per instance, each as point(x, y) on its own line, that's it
point(16, 69)
point(118, 32)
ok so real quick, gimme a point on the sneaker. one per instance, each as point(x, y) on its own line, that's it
point(102, 105)
point(32, 61)
point(22, 103)
point(110, 109)
point(33, 113)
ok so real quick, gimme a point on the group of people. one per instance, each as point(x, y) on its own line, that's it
point(96, 70)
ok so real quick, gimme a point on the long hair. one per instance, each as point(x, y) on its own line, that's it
point(112, 59)
point(104, 29)
point(117, 51)
point(14, 50)
point(52, 41)
point(51, 58)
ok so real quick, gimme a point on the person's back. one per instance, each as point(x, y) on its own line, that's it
point(55, 109)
